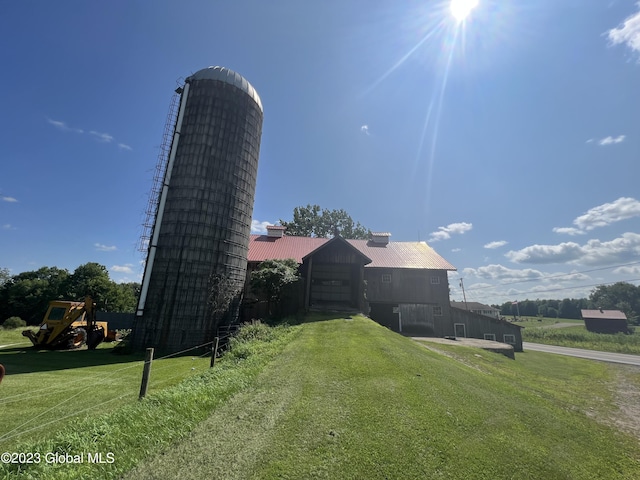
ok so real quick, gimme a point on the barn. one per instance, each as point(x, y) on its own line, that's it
point(401, 285)
point(605, 321)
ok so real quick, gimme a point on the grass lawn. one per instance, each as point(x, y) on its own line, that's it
point(347, 398)
point(44, 390)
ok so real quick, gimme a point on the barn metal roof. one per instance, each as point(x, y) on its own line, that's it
point(603, 314)
point(229, 76)
point(263, 247)
point(392, 255)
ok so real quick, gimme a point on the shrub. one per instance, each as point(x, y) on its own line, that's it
point(13, 322)
point(251, 338)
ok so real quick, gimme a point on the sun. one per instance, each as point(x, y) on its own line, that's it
point(460, 9)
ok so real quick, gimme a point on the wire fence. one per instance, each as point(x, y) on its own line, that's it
point(110, 387)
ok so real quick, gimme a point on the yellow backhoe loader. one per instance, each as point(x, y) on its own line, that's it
point(69, 325)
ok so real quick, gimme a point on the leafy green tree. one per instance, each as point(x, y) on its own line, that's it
point(313, 221)
point(123, 297)
point(272, 276)
point(528, 308)
point(27, 294)
point(619, 296)
point(569, 309)
point(5, 276)
point(91, 279)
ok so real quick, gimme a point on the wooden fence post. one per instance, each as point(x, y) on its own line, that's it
point(214, 352)
point(145, 373)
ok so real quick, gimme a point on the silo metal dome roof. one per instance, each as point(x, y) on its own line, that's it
point(229, 76)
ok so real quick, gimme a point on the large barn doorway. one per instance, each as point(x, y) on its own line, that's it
point(335, 276)
point(331, 284)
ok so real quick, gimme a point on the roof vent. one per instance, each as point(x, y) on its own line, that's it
point(380, 238)
point(275, 231)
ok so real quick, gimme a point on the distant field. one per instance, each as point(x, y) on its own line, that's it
point(572, 333)
point(529, 322)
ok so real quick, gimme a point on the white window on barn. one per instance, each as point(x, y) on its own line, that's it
point(437, 311)
point(510, 339)
point(386, 278)
point(490, 336)
point(435, 280)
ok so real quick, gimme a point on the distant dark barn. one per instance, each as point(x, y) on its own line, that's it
point(605, 321)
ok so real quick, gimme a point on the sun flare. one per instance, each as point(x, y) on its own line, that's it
point(460, 9)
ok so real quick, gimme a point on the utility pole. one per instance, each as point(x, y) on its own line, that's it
point(464, 295)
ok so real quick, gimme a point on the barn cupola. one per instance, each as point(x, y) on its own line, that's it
point(275, 231)
point(380, 238)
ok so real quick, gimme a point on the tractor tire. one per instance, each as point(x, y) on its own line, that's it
point(95, 338)
point(78, 338)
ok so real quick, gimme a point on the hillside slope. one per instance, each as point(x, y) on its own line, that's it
point(350, 399)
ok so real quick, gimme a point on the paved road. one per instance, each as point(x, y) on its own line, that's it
point(579, 352)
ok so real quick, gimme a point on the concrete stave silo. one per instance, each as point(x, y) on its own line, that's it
point(198, 249)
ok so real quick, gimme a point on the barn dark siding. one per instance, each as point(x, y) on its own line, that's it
point(600, 325)
point(476, 326)
point(407, 285)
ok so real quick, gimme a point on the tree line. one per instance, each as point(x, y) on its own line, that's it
point(621, 296)
point(27, 294)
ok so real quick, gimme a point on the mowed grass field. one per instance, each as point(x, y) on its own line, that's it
point(347, 398)
point(44, 391)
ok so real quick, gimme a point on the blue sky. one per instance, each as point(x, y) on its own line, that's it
point(509, 141)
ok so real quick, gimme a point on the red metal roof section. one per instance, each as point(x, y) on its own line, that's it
point(262, 247)
point(392, 255)
point(603, 314)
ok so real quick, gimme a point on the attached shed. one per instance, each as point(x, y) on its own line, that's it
point(605, 321)
point(473, 325)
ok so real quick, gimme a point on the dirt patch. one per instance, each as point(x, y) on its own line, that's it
point(627, 399)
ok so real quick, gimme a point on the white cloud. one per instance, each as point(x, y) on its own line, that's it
point(62, 126)
point(8, 226)
point(623, 208)
point(624, 249)
point(611, 140)
point(102, 137)
point(259, 227)
point(628, 33)
point(561, 253)
point(365, 129)
point(454, 250)
point(569, 231)
point(608, 213)
point(122, 268)
point(628, 270)
point(499, 272)
point(497, 244)
point(104, 248)
point(444, 233)
point(9, 199)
